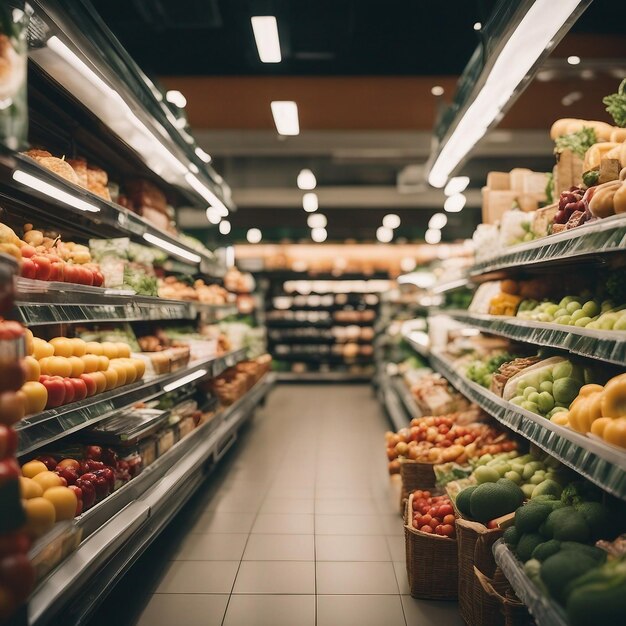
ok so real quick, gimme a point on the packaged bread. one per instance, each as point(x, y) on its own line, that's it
point(499, 181)
point(59, 167)
point(80, 167)
point(596, 153)
point(143, 193)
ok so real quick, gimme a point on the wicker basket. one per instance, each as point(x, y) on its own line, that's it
point(431, 562)
point(500, 605)
point(415, 475)
point(475, 543)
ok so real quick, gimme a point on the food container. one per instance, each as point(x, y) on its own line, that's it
point(431, 562)
point(148, 451)
point(415, 475)
point(165, 440)
point(54, 547)
point(127, 428)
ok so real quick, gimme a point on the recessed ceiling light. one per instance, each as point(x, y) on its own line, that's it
point(391, 221)
point(306, 179)
point(571, 98)
point(265, 30)
point(438, 221)
point(316, 220)
point(456, 185)
point(213, 215)
point(224, 227)
point(309, 202)
point(477, 25)
point(254, 235)
point(285, 114)
point(318, 234)
point(437, 90)
point(573, 60)
point(384, 235)
point(176, 98)
point(454, 203)
point(432, 236)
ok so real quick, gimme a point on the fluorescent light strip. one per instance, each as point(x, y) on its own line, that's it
point(534, 35)
point(205, 192)
point(184, 380)
point(285, 114)
point(53, 192)
point(202, 155)
point(266, 37)
point(172, 248)
point(456, 185)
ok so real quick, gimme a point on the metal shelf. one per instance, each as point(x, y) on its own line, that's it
point(608, 346)
point(43, 428)
point(406, 397)
point(418, 346)
point(545, 611)
point(601, 464)
point(391, 400)
point(132, 517)
point(596, 239)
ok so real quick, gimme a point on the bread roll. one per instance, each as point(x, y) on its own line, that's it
point(618, 135)
point(60, 167)
point(603, 130)
point(594, 155)
point(559, 128)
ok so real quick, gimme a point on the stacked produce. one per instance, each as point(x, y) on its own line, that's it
point(197, 291)
point(482, 371)
point(433, 514)
point(232, 384)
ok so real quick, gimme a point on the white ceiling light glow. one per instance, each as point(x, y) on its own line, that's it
point(285, 114)
point(438, 221)
point(316, 220)
point(432, 236)
point(254, 235)
point(224, 227)
point(456, 185)
point(176, 98)
point(213, 215)
point(172, 248)
point(535, 35)
point(454, 203)
point(309, 202)
point(573, 60)
point(203, 156)
point(306, 180)
point(384, 235)
point(265, 30)
point(391, 221)
point(477, 25)
point(437, 90)
point(319, 235)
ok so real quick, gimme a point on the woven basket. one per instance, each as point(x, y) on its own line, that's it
point(431, 562)
point(500, 604)
point(475, 543)
point(415, 475)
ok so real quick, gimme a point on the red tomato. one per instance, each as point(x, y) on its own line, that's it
point(445, 509)
point(449, 519)
point(433, 511)
point(426, 494)
point(425, 520)
point(426, 529)
point(424, 509)
point(98, 279)
point(42, 264)
point(447, 530)
point(438, 529)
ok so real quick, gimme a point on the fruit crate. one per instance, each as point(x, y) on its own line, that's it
point(431, 562)
point(415, 475)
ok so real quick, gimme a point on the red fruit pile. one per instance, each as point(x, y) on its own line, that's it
point(49, 266)
point(433, 514)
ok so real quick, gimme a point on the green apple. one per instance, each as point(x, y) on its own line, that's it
point(533, 397)
point(563, 319)
point(573, 306)
point(591, 308)
point(530, 406)
point(517, 400)
point(544, 401)
point(563, 369)
point(583, 321)
point(546, 385)
point(620, 324)
point(528, 391)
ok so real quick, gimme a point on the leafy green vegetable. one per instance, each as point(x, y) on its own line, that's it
point(578, 142)
point(591, 177)
point(549, 187)
point(616, 104)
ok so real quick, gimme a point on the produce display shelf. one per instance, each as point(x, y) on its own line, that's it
point(322, 377)
point(43, 428)
point(450, 285)
point(316, 341)
point(602, 464)
point(29, 184)
point(282, 323)
point(419, 346)
point(606, 345)
point(390, 398)
point(313, 357)
point(406, 397)
point(335, 307)
point(545, 611)
point(132, 517)
point(595, 239)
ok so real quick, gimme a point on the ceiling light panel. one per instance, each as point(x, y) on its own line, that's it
point(285, 113)
point(265, 30)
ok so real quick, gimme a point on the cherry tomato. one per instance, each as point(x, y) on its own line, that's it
point(447, 530)
point(426, 529)
point(449, 519)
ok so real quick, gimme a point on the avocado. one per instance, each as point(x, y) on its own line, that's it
point(556, 518)
point(561, 568)
point(597, 517)
point(571, 528)
point(511, 536)
point(527, 544)
point(530, 516)
point(546, 549)
point(463, 500)
point(582, 548)
point(491, 500)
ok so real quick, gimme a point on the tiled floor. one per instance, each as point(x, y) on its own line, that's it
point(300, 527)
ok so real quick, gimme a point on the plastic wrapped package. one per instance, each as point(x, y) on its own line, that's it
point(486, 240)
point(483, 296)
point(515, 227)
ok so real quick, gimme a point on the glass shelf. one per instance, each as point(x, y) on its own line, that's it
point(603, 465)
point(606, 345)
point(545, 611)
point(43, 428)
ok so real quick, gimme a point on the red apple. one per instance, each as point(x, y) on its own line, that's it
point(80, 389)
point(100, 484)
point(69, 474)
point(57, 271)
point(28, 269)
point(56, 391)
point(98, 278)
point(109, 457)
point(8, 441)
point(93, 452)
point(93, 465)
point(88, 492)
point(69, 391)
point(109, 474)
point(70, 275)
point(49, 461)
point(90, 383)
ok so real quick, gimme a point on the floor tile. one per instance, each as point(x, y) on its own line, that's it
point(270, 610)
point(392, 525)
point(351, 548)
point(348, 525)
point(291, 493)
point(397, 548)
point(355, 578)
point(401, 577)
point(182, 609)
point(358, 610)
point(291, 506)
point(235, 503)
point(333, 493)
point(431, 612)
point(280, 548)
point(345, 507)
point(275, 577)
point(276, 524)
point(199, 577)
point(216, 522)
point(211, 547)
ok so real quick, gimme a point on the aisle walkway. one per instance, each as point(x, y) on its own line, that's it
point(298, 528)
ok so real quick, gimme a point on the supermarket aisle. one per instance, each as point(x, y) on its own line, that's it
point(298, 527)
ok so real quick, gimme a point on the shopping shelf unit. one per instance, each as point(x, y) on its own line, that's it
point(600, 463)
point(36, 431)
point(543, 609)
point(120, 528)
point(395, 397)
point(609, 346)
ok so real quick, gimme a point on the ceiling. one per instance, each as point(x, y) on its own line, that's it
point(361, 72)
